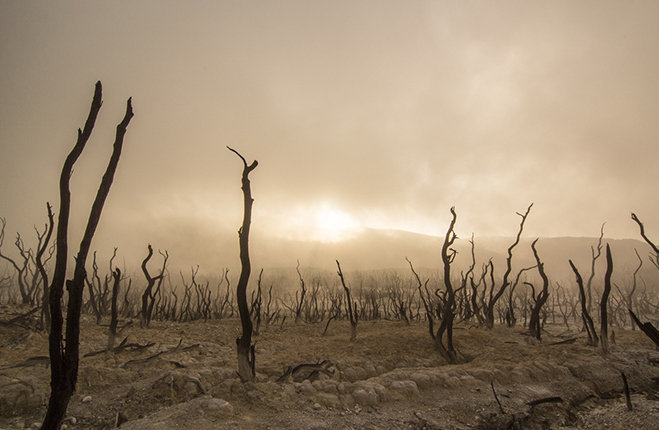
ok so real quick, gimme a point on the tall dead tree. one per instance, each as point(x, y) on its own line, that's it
point(593, 339)
point(489, 310)
point(534, 323)
point(149, 296)
point(303, 291)
point(351, 307)
point(604, 324)
point(114, 318)
point(444, 336)
point(595, 254)
point(64, 353)
point(246, 363)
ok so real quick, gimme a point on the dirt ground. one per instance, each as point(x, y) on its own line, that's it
point(390, 378)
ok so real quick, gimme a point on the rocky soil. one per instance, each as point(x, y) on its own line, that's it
point(183, 376)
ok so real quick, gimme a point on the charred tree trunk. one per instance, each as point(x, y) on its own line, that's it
point(351, 307)
point(148, 296)
point(534, 324)
point(246, 365)
point(585, 315)
point(303, 292)
point(444, 336)
point(489, 311)
point(38, 259)
point(604, 324)
point(114, 319)
point(64, 356)
point(594, 256)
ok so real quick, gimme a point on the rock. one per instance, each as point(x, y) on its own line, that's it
point(213, 404)
point(86, 399)
point(328, 400)
point(403, 389)
point(306, 388)
point(422, 380)
point(365, 397)
point(317, 406)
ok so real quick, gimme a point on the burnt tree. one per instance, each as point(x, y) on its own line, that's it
point(539, 300)
point(604, 324)
point(64, 353)
point(114, 319)
point(39, 262)
point(444, 336)
point(350, 305)
point(149, 296)
point(489, 309)
point(593, 339)
point(246, 364)
point(594, 256)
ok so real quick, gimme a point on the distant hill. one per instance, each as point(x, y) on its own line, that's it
point(387, 249)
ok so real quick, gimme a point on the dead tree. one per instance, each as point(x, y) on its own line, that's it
point(426, 299)
point(653, 258)
point(511, 319)
point(303, 291)
point(246, 363)
point(604, 326)
point(114, 319)
point(22, 268)
point(350, 305)
point(489, 310)
point(44, 239)
point(444, 336)
point(541, 298)
point(585, 315)
point(629, 296)
point(64, 353)
point(594, 256)
point(149, 296)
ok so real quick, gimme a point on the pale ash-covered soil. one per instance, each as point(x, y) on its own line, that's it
point(390, 378)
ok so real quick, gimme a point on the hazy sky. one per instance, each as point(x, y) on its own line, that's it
point(361, 114)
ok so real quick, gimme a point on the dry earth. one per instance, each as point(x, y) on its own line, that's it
point(391, 378)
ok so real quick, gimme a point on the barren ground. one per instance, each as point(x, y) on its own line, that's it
point(390, 378)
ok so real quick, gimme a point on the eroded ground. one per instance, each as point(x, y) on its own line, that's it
point(390, 378)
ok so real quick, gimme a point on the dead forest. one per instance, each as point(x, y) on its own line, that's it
point(66, 321)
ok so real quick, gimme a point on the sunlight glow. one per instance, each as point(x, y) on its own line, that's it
point(320, 221)
point(331, 224)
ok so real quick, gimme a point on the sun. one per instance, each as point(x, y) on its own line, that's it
point(331, 224)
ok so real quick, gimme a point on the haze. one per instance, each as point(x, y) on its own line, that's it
point(362, 115)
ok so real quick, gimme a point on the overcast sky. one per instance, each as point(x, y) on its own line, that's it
point(360, 113)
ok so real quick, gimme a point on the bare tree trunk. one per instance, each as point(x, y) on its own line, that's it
point(246, 365)
point(64, 357)
point(534, 325)
point(116, 275)
point(444, 336)
point(595, 256)
point(585, 315)
point(42, 270)
point(352, 308)
point(148, 296)
point(604, 327)
point(489, 311)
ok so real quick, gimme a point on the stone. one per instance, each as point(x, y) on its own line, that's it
point(365, 397)
point(213, 404)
